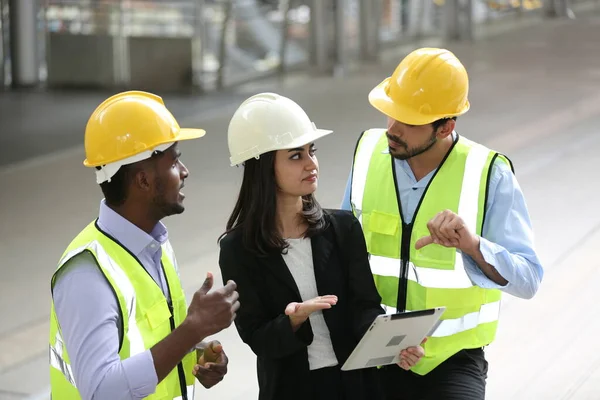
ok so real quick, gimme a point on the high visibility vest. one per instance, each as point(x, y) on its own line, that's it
point(409, 279)
point(146, 316)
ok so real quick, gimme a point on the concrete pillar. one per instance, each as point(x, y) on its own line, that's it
point(369, 30)
point(451, 12)
point(319, 38)
point(469, 25)
point(23, 42)
point(199, 46)
point(420, 17)
point(561, 8)
point(340, 38)
point(458, 18)
point(2, 47)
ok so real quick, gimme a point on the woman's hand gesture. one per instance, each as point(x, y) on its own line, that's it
point(299, 312)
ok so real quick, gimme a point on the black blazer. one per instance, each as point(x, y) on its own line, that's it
point(266, 287)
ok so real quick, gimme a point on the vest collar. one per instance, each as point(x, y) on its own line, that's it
point(129, 235)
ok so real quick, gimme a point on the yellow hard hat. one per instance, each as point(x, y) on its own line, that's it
point(429, 84)
point(128, 127)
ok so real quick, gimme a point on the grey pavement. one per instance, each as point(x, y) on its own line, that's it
point(41, 122)
point(535, 96)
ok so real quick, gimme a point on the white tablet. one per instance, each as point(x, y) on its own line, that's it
point(391, 333)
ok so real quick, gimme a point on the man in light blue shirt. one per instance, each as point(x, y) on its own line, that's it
point(101, 293)
point(422, 100)
point(507, 240)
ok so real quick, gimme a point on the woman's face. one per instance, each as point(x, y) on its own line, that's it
point(296, 170)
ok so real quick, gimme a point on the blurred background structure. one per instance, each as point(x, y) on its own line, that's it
point(534, 67)
point(206, 45)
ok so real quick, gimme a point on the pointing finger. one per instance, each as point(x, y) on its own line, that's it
point(435, 228)
point(424, 241)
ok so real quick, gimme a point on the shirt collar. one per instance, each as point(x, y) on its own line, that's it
point(128, 234)
point(406, 168)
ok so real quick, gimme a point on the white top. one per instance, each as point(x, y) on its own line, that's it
point(299, 261)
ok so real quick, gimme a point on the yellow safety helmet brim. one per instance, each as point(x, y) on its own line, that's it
point(183, 134)
point(130, 125)
point(105, 172)
point(379, 98)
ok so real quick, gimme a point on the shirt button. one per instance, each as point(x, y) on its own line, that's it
point(153, 245)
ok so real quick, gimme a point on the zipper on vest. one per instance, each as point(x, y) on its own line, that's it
point(407, 233)
point(180, 371)
point(404, 262)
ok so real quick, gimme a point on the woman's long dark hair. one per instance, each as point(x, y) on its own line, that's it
point(255, 211)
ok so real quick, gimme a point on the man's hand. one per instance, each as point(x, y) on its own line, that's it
point(212, 364)
point(448, 229)
point(299, 312)
point(210, 313)
point(411, 356)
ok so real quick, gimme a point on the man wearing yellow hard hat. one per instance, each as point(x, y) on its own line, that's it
point(445, 222)
point(119, 326)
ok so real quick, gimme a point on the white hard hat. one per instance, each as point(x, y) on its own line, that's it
point(267, 122)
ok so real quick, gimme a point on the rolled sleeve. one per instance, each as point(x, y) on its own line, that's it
point(488, 250)
point(141, 375)
point(507, 239)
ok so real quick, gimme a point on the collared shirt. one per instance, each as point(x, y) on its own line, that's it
point(89, 315)
point(507, 238)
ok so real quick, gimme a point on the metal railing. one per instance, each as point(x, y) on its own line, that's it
point(231, 41)
point(407, 20)
point(212, 44)
point(253, 40)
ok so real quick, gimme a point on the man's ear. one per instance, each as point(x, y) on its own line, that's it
point(446, 129)
point(143, 179)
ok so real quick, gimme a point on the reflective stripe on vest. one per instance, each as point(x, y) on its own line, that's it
point(488, 313)
point(136, 342)
point(435, 276)
point(57, 359)
point(140, 331)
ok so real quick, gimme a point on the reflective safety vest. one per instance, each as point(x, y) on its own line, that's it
point(409, 279)
point(146, 315)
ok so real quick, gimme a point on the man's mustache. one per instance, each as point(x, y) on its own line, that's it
point(393, 139)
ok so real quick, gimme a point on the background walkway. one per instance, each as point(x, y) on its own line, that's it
point(535, 96)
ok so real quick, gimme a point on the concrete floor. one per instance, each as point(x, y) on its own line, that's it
point(534, 95)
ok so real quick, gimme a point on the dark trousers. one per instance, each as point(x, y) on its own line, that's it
point(461, 377)
point(327, 384)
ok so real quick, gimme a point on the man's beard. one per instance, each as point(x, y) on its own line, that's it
point(412, 152)
point(162, 206)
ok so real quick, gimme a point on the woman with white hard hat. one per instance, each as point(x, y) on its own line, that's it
point(306, 290)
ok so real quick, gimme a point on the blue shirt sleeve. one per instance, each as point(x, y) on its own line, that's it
point(89, 317)
point(507, 238)
point(346, 200)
